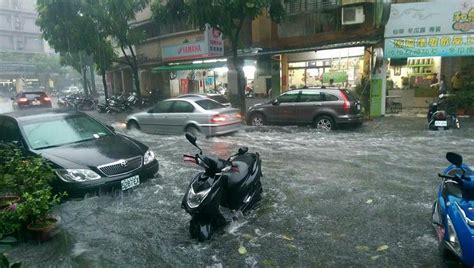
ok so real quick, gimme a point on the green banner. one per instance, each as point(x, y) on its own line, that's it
point(376, 97)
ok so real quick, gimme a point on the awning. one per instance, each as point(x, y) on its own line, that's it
point(183, 67)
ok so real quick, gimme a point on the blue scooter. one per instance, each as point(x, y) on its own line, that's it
point(453, 211)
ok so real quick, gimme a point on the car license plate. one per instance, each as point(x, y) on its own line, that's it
point(130, 182)
point(441, 123)
point(35, 102)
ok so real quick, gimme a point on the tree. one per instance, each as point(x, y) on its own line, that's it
point(119, 14)
point(91, 28)
point(70, 30)
point(227, 16)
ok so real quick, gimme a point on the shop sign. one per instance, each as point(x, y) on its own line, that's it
point(431, 18)
point(211, 45)
point(426, 46)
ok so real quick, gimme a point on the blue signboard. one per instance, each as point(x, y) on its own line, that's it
point(450, 45)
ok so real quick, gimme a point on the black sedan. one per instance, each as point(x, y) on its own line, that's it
point(86, 155)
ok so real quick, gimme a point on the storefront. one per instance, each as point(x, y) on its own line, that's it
point(422, 46)
point(344, 66)
point(197, 64)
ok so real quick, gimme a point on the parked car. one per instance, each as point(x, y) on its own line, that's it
point(31, 99)
point(190, 114)
point(325, 108)
point(216, 97)
point(86, 155)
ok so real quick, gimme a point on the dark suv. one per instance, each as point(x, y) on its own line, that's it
point(325, 108)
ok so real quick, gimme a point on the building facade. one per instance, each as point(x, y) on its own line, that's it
point(426, 41)
point(319, 40)
point(20, 40)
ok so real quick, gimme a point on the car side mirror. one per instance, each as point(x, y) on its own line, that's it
point(11, 98)
point(111, 128)
point(275, 102)
point(454, 159)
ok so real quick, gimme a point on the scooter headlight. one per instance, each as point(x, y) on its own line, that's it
point(195, 199)
point(453, 238)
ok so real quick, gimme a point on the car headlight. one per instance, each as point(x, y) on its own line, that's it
point(77, 175)
point(148, 157)
point(195, 199)
point(453, 238)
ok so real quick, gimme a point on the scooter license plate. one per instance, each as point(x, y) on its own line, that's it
point(441, 123)
point(130, 182)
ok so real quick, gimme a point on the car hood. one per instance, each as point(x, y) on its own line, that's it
point(94, 153)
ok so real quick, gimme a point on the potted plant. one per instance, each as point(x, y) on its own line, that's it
point(35, 210)
point(8, 197)
point(30, 178)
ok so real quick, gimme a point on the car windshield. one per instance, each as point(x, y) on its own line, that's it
point(209, 104)
point(61, 131)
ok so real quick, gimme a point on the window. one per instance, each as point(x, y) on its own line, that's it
point(162, 107)
point(289, 97)
point(60, 131)
point(10, 132)
point(310, 96)
point(182, 107)
point(209, 104)
point(329, 97)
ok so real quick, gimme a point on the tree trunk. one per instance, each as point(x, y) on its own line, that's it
point(84, 81)
point(240, 79)
point(106, 91)
point(136, 75)
point(92, 74)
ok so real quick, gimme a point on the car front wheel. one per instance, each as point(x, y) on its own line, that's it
point(325, 123)
point(257, 120)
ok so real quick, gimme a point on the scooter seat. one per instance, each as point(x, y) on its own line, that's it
point(235, 177)
point(243, 163)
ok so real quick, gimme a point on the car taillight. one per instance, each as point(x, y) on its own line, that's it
point(47, 98)
point(23, 100)
point(218, 118)
point(346, 105)
point(238, 115)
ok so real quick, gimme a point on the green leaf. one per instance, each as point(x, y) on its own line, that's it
point(8, 240)
point(242, 250)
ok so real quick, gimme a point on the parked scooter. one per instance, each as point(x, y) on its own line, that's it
point(453, 211)
point(226, 188)
point(441, 116)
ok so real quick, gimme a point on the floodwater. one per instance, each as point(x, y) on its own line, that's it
point(347, 198)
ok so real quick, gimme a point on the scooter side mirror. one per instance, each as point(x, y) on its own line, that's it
point(454, 159)
point(243, 150)
point(192, 139)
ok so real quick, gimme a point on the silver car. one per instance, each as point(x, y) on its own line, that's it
point(192, 114)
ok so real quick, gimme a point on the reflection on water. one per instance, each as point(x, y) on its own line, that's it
point(346, 198)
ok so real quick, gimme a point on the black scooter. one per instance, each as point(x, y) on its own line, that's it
point(226, 188)
point(441, 116)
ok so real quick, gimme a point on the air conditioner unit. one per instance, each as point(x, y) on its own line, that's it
point(353, 15)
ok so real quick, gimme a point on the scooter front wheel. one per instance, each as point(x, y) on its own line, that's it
point(201, 231)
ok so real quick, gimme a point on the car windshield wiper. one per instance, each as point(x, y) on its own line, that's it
point(64, 144)
point(47, 147)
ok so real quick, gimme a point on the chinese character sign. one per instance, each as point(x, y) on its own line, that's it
point(426, 46)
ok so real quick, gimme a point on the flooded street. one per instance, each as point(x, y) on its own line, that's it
point(347, 198)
